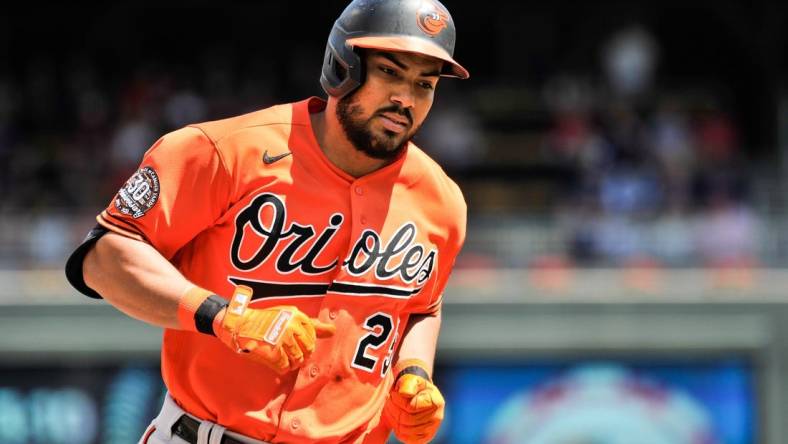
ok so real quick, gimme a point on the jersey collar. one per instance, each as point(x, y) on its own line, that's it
point(399, 170)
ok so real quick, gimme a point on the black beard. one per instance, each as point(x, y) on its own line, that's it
point(357, 131)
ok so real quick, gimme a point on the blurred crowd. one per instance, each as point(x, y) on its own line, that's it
point(659, 177)
point(656, 179)
point(72, 131)
point(649, 176)
point(69, 136)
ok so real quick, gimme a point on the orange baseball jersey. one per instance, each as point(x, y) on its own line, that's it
point(252, 200)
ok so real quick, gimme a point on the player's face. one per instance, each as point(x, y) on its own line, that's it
point(382, 115)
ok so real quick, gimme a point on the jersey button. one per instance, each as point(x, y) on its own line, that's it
point(332, 314)
point(313, 371)
point(295, 423)
point(359, 191)
point(363, 220)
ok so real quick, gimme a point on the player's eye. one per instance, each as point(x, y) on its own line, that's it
point(426, 85)
point(388, 71)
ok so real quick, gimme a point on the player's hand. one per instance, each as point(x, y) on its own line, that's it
point(414, 409)
point(281, 337)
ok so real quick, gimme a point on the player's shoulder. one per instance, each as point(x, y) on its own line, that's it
point(277, 117)
point(435, 183)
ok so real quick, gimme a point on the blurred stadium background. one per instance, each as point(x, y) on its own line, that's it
point(624, 278)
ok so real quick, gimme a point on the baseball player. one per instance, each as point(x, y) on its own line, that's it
point(296, 256)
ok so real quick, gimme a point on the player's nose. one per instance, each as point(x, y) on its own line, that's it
point(404, 97)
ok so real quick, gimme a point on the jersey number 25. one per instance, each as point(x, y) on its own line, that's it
point(380, 326)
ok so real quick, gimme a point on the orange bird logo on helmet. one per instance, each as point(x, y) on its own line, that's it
point(431, 18)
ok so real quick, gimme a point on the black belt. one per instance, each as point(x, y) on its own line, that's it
point(186, 427)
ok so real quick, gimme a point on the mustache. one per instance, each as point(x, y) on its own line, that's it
point(398, 110)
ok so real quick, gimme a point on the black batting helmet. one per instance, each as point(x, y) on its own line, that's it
point(418, 26)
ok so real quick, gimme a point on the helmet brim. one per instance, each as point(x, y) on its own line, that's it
point(414, 45)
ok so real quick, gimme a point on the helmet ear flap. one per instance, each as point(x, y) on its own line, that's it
point(339, 69)
point(343, 70)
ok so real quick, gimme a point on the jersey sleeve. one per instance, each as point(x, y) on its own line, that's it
point(181, 187)
point(431, 297)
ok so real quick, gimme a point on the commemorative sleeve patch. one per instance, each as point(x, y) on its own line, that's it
point(139, 193)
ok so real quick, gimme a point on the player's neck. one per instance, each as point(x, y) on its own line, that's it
point(338, 149)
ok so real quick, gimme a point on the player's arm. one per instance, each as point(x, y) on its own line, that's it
point(420, 340)
point(415, 405)
point(134, 277)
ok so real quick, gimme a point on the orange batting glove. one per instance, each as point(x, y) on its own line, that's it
point(281, 337)
point(414, 408)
